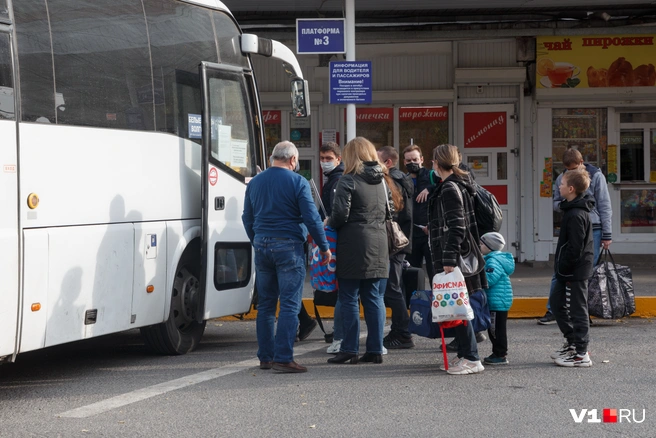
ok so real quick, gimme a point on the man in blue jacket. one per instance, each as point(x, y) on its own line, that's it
point(600, 216)
point(278, 213)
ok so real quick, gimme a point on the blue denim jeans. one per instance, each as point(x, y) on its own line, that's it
point(596, 244)
point(279, 275)
point(371, 295)
point(338, 327)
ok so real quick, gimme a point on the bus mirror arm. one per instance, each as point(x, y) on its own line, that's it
point(272, 49)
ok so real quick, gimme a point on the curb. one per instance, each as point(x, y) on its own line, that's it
point(524, 307)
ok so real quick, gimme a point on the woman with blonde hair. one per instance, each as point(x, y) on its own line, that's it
point(450, 217)
point(358, 214)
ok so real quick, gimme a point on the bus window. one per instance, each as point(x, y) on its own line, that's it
point(102, 65)
point(233, 143)
point(6, 79)
point(35, 61)
point(228, 41)
point(181, 36)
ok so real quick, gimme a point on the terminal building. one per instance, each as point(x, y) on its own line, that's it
point(512, 83)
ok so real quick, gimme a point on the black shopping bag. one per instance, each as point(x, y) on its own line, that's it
point(610, 290)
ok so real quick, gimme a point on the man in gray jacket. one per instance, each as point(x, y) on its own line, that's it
point(600, 216)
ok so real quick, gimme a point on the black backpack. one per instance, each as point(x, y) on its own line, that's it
point(488, 211)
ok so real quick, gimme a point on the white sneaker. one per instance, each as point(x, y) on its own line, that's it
point(453, 362)
point(334, 347)
point(465, 366)
point(575, 360)
point(566, 350)
point(384, 350)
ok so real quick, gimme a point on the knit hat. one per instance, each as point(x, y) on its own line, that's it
point(494, 241)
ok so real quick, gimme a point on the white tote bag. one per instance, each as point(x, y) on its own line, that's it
point(450, 298)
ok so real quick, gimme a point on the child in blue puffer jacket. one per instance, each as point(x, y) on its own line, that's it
point(498, 268)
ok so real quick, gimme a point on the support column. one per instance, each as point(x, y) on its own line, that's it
point(350, 56)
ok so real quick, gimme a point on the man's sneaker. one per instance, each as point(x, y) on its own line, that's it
point(334, 347)
point(384, 350)
point(547, 319)
point(465, 366)
point(451, 347)
point(575, 360)
point(397, 342)
point(453, 362)
point(565, 351)
point(493, 359)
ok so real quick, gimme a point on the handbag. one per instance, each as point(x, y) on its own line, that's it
point(610, 290)
point(450, 297)
point(396, 239)
point(471, 262)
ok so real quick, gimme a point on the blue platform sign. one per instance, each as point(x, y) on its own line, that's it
point(350, 82)
point(320, 35)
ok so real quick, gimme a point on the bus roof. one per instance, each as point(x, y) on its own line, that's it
point(214, 4)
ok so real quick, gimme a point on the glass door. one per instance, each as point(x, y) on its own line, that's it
point(229, 159)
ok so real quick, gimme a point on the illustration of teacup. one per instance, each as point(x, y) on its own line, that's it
point(561, 72)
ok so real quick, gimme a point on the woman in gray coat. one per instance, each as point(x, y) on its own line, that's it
point(358, 215)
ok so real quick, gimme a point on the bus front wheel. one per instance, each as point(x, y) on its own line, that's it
point(180, 333)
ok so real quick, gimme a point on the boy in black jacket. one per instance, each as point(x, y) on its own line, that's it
point(573, 268)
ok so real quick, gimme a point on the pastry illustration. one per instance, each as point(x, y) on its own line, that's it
point(644, 76)
point(597, 77)
point(622, 74)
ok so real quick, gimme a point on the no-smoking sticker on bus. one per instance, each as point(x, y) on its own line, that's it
point(213, 176)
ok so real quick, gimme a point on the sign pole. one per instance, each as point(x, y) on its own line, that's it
point(350, 56)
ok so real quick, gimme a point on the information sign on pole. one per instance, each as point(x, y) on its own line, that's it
point(350, 82)
point(315, 36)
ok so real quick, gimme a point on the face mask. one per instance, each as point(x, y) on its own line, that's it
point(412, 167)
point(327, 166)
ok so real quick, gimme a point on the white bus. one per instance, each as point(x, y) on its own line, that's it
point(128, 132)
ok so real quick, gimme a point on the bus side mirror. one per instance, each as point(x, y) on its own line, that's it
point(300, 98)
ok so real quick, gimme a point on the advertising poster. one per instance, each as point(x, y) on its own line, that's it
point(596, 61)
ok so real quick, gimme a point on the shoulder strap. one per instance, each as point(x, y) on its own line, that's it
point(388, 212)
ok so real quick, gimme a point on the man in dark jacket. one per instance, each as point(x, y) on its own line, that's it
point(330, 158)
point(414, 163)
point(573, 268)
point(399, 337)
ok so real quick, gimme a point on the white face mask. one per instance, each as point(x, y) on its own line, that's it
point(327, 166)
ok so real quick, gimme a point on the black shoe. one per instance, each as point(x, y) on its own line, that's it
point(480, 337)
point(394, 341)
point(451, 347)
point(340, 357)
point(328, 337)
point(372, 358)
point(547, 319)
point(266, 365)
point(305, 330)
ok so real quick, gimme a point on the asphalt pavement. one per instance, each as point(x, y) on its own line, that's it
point(112, 386)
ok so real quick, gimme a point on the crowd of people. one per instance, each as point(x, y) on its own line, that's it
point(435, 209)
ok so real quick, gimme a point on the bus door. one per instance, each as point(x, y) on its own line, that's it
point(230, 149)
point(9, 245)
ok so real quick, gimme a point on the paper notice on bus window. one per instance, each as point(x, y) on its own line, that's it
point(239, 153)
point(224, 148)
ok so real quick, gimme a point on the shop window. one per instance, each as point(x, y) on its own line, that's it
point(300, 131)
point(652, 156)
point(632, 155)
point(581, 129)
point(272, 131)
point(376, 125)
point(102, 63)
point(6, 79)
point(638, 211)
point(426, 127)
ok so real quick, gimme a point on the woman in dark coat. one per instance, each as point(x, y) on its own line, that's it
point(359, 212)
point(450, 214)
